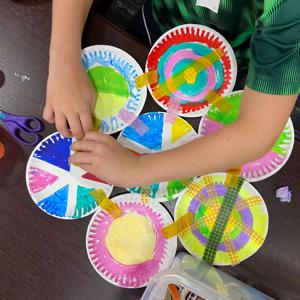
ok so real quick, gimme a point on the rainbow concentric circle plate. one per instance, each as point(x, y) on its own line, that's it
point(58, 188)
point(265, 166)
point(113, 72)
point(130, 276)
point(245, 231)
point(160, 136)
point(178, 48)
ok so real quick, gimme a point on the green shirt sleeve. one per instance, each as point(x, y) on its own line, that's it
point(275, 49)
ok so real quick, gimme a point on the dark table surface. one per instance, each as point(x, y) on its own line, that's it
point(45, 258)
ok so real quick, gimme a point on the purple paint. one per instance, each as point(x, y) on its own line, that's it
point(246, 217)
point(40, 179)
point(132, 276)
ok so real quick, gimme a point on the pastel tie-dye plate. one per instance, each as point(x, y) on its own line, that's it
point(57, 187)
point(113, 72)
point(178, 48)
point(160, 136)
point(265, 166)
point(130, 275)
point(245, 231)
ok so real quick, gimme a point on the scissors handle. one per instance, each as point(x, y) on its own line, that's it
point(16, 131)
point(28, 124)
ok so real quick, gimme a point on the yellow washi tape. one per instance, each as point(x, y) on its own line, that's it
point(182, 224)
point(145, 79)
point(217, 100)
point(105, 203)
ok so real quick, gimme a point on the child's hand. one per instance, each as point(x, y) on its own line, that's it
point(70, 99)
point(104, 157)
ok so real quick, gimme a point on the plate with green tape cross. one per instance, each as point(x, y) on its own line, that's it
point(230, 219)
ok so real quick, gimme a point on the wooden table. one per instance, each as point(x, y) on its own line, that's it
point(45, 258)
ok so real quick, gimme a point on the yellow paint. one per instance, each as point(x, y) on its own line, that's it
point(179, 129)
point(108, 105)
point(131, 239)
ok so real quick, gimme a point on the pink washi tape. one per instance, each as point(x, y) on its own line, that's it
point(136, 123)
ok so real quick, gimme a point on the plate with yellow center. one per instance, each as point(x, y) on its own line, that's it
point(130, 250)
point(244, 232)
point(112, 72)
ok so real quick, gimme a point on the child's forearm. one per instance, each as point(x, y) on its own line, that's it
point(68, 19)
point(261, 120)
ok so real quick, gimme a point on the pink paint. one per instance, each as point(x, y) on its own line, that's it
point(136, 123)
point(209, 126)
point(40, 179)
point(262, 166)
point(188, 53)
point(132, 276)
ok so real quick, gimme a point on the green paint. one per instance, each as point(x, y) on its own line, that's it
point(107, 80)
point(228, 117)
point(112, 89)
point(284, 139)
point(174, 187)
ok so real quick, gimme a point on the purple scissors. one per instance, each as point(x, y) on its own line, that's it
point(20, 126)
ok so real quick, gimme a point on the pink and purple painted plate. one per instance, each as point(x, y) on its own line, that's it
point(130, 276)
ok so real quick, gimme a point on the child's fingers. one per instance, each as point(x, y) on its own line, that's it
point(61, 124)
point(48, 114)
point(92, 136)
point(83, 145)
point(75, 126)
point(81, 158)
point(86, 122)
point(87, 167)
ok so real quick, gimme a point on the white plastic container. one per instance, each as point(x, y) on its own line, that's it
point(201, 279)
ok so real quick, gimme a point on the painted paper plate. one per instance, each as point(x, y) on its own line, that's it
point(161, 135)
point(245, 231)
point(265, 166)
point(108, 265)
point(58, 188)
point(178, 48)
point(113, 72)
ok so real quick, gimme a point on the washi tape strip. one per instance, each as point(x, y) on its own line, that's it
point(220, 102)
point(182, 224)
point(136, 123)
point(105, 203)
point(145, 79)
point(173, 109)
point(234, 186)
point(145, 193)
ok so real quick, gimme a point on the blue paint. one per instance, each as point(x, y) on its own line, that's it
point(56, 151)
point(85, 202)
point(152, 139)
point(132, 104)
point(56, 204)
point(153, 189)
point(200, 84)
point(114, 123)
point(103, 126)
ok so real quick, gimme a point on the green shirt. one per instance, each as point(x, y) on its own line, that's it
point(265, 36)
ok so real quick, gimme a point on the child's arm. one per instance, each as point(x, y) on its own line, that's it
point(261, 120)
point(70, 95)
